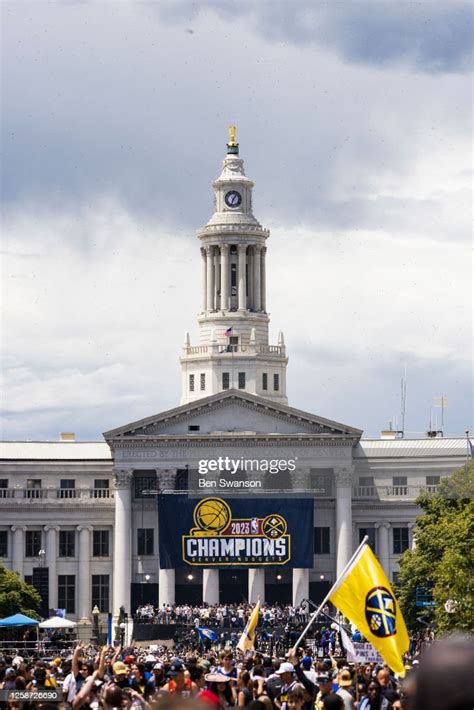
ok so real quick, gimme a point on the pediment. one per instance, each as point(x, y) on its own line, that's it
point(232, 412)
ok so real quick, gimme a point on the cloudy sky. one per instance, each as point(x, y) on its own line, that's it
point(354, 121)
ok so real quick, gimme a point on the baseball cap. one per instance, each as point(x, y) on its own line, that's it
point(285, 668)
point(306, 663)
point(206, 696)
point(345, 679)
point(158, 667)
point(120, 668)
point(323, 677)
point(175, 668)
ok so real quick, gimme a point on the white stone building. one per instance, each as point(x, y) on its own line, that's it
point(86, 511)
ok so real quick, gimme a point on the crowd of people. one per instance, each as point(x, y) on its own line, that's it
point(156, 678)
point(219, 615)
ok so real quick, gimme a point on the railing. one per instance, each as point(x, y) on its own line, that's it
point(392, 492)
point(19, 495)
point(222, 348)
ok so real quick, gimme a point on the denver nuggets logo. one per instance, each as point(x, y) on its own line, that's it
point(380, 611)
point(274, 526)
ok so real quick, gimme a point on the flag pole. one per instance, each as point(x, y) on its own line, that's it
point(315, 615)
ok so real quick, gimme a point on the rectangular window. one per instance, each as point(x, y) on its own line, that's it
point(225, 380)
point(100, 592)
point(432, 483)
point(400, 487)
point(370, 532)
point(67, 593)
point(67, 488)
point(3, 487)
point(241, 380)
point(32, 543)
point(194, 427)
point(100, 543)
point(33, 488)
point(321, 541)
point(145, 541)
point(395, 577)
point(182, 479)
point(3, 543)
point(264, 381)
point(67, 543)
point(276, 382)
point(233, 279)
point(400, 540)
point(202, 381)
point(233, 343)
point(144, 482)
point(366, 481)
point(101, 488)
point(191, 383)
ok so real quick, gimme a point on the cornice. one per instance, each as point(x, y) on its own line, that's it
point(233, 440)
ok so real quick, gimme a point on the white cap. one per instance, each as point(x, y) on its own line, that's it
point(285, 668)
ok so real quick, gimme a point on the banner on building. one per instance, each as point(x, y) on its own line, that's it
point(214, 532)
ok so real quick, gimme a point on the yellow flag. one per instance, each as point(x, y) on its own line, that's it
point(247, 640)
point(365, 596)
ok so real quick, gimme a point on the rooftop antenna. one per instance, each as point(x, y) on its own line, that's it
point(403, 393)
point(442, 403)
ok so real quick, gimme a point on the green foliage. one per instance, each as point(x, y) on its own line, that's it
point(443, 558)
point(16, 596)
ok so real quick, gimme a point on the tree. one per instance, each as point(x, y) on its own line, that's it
point(443, 559)
point(16, 596)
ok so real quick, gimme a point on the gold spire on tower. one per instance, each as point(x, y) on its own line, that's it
point(232, 135)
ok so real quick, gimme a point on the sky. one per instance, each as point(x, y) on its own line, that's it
point(354, 121)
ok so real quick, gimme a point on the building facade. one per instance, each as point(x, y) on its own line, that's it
point(83, 515)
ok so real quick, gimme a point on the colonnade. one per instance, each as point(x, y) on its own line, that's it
point(249, 290)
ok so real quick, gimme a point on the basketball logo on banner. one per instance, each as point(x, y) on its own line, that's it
point(380, 612)
point(221, 539)
point(211, 516)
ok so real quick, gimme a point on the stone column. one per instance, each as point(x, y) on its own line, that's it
point(263, 280)
point(210, 586)
point(256, 585)
point(383, 546)
point(250, 279)
point(217, 260)
point(242, 277)
point(225, 277)
point(166, 587)
point(84, 587)
point(51, 561)
point(343, 479)
point(412, 536)
point(18, 549)
point(257, 299)
point(300, 585)
point(122, 541)
point(166, 479)
point(204, 280)
point(210, 278)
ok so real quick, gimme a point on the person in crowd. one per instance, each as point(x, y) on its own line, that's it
point(374, 700)
point(286, 672)
point(345, 682)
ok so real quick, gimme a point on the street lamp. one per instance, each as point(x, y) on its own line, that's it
point(41, 557)
point(147, 578)
point(95, 615)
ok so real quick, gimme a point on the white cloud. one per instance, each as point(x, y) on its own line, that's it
point(97, 305)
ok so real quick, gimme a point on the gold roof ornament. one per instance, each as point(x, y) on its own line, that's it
point(232, 145)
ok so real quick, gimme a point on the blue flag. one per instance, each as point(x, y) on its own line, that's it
point(207, 634)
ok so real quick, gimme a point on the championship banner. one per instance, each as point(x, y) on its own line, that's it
point(213, 532)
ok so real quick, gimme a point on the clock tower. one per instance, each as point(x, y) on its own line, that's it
point(233, 350)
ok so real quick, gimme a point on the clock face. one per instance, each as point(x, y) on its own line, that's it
point(233, 199)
